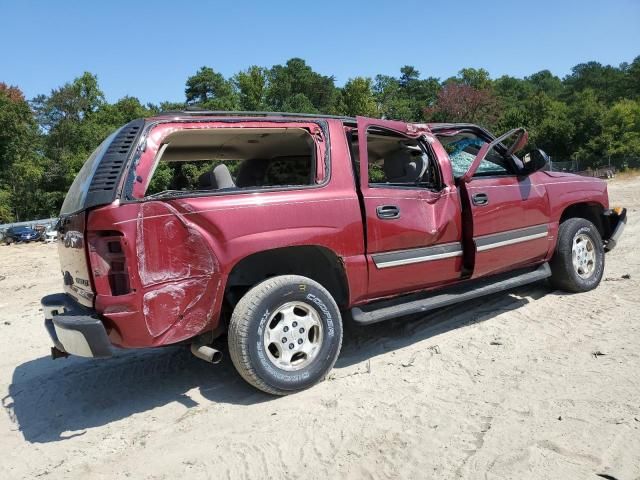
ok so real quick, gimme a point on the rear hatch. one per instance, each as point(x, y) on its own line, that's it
point(96, 184)
point(73, 258)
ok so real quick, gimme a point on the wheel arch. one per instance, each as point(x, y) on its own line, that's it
point(316, 262)
point(592, 211)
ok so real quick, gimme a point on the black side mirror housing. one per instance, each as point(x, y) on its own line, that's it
point(534, 161)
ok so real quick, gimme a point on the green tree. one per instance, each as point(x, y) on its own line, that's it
point(392, 103)
point(550, 125)
point(545, 81)
point(477, 78)
point(512, 90)
point(73, 102)
point(252, 85)
point(511, 94)
point(632, 79)
point(358, 98)
point(123, 111)
point(209, 89)
point(66, 116)
point(607, 81)
point(20, 169)
point(587, 113)
point(621, 130)
point(417, 92)
point(296, 87)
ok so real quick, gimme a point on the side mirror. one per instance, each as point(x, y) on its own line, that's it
point(534, 161)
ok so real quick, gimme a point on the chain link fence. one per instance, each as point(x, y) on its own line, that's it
point(570, 166)
point(606, 168)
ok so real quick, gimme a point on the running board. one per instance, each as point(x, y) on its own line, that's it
point(391, 308)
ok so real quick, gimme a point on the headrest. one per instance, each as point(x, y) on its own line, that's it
point(206, 180)
point(405, 165)
point(222, 177)
point(219, 177)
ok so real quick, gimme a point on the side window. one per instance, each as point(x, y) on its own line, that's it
point(399, 161)
point(228, 159)
point(463, 147)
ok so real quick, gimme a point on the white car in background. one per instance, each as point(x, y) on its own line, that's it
point(50, 236)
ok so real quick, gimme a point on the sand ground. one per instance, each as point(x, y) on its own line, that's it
point(528, 384)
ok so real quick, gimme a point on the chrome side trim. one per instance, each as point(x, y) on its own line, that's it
point(511, 242)
point(417, 255)
point(510, 237)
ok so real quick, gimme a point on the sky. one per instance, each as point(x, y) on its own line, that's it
point(148, 48)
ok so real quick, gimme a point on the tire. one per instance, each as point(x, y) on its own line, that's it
point(267, 334)
point(584, 274)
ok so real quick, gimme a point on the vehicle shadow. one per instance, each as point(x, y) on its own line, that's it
point(50, 401)
point(365, 342)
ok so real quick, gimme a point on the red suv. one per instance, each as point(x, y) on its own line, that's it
point(269, 228)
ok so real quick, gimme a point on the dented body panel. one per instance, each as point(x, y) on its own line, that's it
point(156, 271)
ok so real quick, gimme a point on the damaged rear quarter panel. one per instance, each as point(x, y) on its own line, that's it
point(173, 272)
point(176, 269)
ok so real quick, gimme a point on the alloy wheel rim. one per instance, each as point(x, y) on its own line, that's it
point(293, 336)
point(583, 253)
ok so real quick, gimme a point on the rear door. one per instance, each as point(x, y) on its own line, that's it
point(412, 218)
point(506, 214)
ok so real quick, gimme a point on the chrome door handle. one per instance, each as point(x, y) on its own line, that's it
point(480, 199)
point(387, 212)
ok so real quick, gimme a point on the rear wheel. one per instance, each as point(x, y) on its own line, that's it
point(285, 334)
point(578, 262)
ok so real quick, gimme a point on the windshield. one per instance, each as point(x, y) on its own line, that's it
point(463, 147)
point(77, 193)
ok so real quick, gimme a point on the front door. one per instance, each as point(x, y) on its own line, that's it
point(413, 226)
point(507, 214)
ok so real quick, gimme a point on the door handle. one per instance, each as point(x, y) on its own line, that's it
point(388, 212)
point(480, 199)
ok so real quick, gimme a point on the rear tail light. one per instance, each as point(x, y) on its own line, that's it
point(109, 263)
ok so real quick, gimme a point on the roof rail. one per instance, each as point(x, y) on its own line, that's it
point(218, 113)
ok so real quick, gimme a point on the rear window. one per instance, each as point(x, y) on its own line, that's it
point(77, 194)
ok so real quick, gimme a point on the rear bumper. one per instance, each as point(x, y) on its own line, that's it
point(73, 328)
point(617, 221)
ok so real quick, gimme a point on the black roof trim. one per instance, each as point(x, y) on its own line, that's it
point(218, 113)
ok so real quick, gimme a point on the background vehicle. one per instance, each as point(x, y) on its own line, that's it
point(20, 234)
point(50, 236)
point(268, 227)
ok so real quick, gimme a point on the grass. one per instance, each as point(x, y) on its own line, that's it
point(627, 174)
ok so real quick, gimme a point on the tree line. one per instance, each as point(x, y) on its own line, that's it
point(592, 115)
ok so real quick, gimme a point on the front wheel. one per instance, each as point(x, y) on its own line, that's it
point(285, 334)
point(578, 261)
